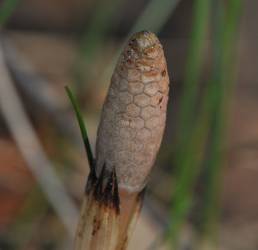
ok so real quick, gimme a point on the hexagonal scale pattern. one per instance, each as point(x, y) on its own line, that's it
point(133, 115)
point(135, 87)
point(151, 88)
point(142, 100)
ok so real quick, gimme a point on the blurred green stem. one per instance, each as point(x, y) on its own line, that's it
point(191, 134)
point(194, 129)
point(193, 66)
point(225, 30)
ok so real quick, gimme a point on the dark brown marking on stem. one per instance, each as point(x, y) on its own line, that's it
point(96, 225)
point(104, 189)
point(91, 182)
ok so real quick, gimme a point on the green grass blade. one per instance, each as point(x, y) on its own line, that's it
point(82, 128)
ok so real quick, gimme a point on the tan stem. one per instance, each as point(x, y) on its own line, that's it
point(102, 224)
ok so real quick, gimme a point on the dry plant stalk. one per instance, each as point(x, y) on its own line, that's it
point(129, 136)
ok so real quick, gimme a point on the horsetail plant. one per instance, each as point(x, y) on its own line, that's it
point(128, 139)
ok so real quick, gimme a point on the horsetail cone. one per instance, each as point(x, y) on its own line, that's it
point(129, 136)
point(134, 113)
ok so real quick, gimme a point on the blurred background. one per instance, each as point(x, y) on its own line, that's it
point(202, 193)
